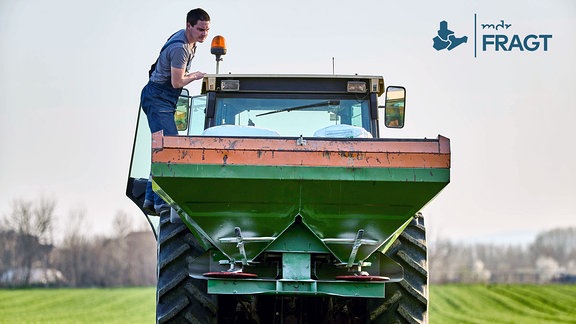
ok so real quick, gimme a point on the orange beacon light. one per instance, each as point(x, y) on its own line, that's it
point(218, 48)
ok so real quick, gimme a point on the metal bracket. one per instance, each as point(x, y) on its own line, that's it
point(356, 243)
point(231, 264)
point(240, 245)
point(301, 141)
point(419, 218)
point(355, 247)
point(240, 241)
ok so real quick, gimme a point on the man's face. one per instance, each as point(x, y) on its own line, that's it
point(199, 32)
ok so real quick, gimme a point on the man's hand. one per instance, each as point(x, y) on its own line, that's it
point(179, 79)
point(196, 75)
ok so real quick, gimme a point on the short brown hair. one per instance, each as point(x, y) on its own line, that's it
point(196, 14)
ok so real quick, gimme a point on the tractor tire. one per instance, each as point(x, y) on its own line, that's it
point(406, 301)
point(179, 297)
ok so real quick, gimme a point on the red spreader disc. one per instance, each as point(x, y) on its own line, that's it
point(363, 278)
point(228, 275)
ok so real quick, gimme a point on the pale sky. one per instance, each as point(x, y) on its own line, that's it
point(71, 73)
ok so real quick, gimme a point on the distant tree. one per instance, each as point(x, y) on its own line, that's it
point(117, 251)
point(31, 228)
point(121, 224)
point(447, 261)
point(457, 262)
point(73, 254)
point(142, 258)
point(9, 239)
point(131, 256)
point(124, 258)
point(558, 244)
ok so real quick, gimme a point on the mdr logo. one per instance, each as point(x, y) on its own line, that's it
point(503, 36)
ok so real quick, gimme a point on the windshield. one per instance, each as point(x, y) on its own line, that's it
point(292, 116)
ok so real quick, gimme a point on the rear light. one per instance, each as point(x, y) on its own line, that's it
point(230, 85)
point(356, 87)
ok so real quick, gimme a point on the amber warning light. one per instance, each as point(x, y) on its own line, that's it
point(218, 48)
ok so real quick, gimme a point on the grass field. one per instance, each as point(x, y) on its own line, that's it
point(448, 304)
point(122, 305)
point(503, 304)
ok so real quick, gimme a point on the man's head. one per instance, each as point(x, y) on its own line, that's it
point(197, 25)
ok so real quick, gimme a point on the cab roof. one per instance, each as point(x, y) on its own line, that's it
point(291, 83)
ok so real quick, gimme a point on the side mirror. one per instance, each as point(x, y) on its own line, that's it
point(394, 109)
point(182, 111)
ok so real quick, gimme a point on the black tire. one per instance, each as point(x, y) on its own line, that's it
point(406, 301)
point(180, 298)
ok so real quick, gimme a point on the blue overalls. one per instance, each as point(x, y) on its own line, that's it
point(158, 101)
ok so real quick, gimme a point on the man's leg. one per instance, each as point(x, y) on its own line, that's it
point(149, 197)
point(159, 106)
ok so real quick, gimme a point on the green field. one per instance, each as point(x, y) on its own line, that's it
point(448, 304)
point(125, 305)
point(503, 304)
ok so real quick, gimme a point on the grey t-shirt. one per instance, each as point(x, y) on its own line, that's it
point(178, 55)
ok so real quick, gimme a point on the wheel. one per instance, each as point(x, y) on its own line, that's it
point(406, 301)
point(180, 298)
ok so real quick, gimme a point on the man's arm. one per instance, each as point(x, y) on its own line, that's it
point(179, 79)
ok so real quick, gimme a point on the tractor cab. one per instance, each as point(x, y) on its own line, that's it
point(276, 106)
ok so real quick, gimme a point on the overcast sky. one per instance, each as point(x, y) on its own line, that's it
point(71, 74)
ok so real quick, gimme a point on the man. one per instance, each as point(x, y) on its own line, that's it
point(168, 76)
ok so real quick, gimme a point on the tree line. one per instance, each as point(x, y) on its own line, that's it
point(551, 257)
point(29, 255)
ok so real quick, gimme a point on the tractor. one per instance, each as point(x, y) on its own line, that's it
point(287, 204)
